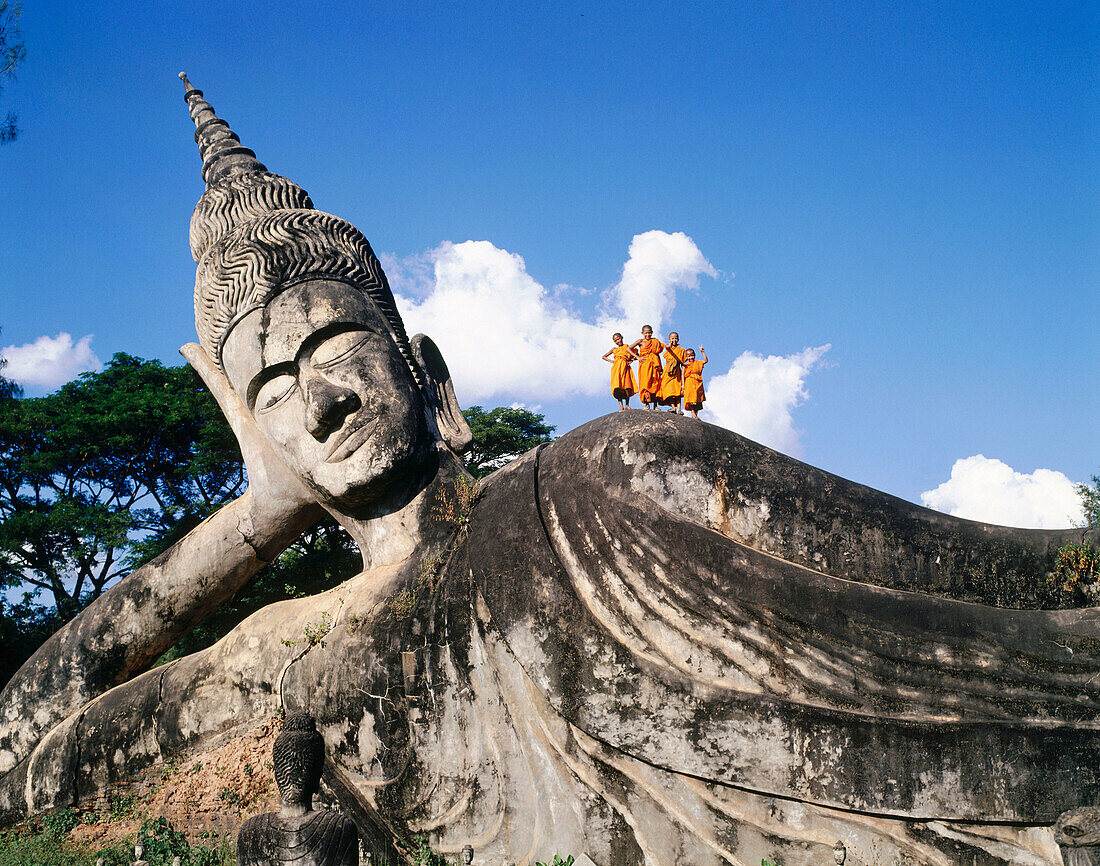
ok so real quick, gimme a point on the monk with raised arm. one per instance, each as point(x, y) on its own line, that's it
point(693, 381)
point(622, 377)
point(648, 349)
point(672, 386)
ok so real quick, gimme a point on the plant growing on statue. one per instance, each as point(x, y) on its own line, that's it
point(423, 855)
point(1077, 566)
point(455, 503)
point(313, 633)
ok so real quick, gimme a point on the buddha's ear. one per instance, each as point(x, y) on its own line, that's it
point(440, 394)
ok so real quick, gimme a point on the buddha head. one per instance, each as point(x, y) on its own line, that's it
point(1077, 833)
point(298, 757)
point(294, 307)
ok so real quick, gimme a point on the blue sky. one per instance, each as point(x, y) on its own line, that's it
point(914, 186)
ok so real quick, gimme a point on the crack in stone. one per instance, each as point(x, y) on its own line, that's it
point(75, 734)
point(247, 540)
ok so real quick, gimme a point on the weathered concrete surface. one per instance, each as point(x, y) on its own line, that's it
point(598, 670)
point(774, 676)
point(124, 631)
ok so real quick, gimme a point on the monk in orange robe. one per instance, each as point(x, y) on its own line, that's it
point(672, 388)
point(692, 372)
point(622, 377)
point(649, 366)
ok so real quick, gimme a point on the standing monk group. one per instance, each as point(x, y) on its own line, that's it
point(678, 379)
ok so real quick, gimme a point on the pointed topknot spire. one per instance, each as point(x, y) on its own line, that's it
point(222, 153)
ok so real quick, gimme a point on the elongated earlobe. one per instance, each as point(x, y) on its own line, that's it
point(440, 394)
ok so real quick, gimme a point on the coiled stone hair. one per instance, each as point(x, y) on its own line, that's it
point(237, 199)
point(254, 261)
point(254, 233)
point(298, 756)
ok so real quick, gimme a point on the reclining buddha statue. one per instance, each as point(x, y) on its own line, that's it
point(650, 641)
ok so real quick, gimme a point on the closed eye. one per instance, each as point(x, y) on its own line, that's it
point(275, 391)
point(339, 348)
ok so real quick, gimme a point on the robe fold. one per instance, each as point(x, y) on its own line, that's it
point(671, 388)
point(693, 385)
point(622, 377)
point(649, 369)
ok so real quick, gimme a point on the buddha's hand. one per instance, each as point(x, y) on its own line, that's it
point(271, 483)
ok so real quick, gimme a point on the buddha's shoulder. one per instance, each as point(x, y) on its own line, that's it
point(318, 830)
point(614, 448)
point(620, 444)
point(319, 819)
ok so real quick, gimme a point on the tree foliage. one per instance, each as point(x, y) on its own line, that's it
point(1076, 573)
point(8, 388)
point(106, 472)
point(1090, 500)
point(12, 53)
point(502, 435)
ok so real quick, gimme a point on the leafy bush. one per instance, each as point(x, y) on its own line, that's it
point(1076, 569)
point(423, 855)
point(58, 824)
point(45, 849)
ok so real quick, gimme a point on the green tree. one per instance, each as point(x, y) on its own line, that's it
point(1090, 501)
point(106, 472)
point(12, 52)
point(8, 388)
point(502, 435)
point(24, 627)
point(1077, 565)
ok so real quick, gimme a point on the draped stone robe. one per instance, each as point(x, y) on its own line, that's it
point(655, 641)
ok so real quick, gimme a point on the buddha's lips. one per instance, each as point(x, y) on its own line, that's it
point(346, 443)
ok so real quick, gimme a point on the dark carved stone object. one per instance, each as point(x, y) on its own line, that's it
point(1078, 835)
point(297, 835)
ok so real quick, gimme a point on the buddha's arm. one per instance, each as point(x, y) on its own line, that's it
point(123, 632)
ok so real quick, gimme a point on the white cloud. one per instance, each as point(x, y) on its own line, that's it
point(502, 332)
point(756, 396)
point(658, 264)
point(990, 490)
point(49, 362)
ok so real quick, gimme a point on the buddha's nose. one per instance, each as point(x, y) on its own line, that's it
point(327, 405)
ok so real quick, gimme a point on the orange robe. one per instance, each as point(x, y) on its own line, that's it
point(670, 381)
point(622, 377)
point(649, 369)
point(693, 385)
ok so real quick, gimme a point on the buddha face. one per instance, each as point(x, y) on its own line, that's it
point(323, 378)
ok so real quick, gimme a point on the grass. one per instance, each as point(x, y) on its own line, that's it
point(46, 843)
